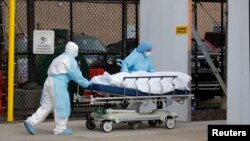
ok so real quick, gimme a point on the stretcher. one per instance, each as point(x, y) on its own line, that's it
point(129, 102)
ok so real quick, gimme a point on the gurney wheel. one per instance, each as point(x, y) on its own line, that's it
point(160, 122)
point(107, 126)
point(170, 123)
point(90, 124)
point(152, 123)
point(134, 125)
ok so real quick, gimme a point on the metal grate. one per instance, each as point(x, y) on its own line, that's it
point(97, 26)
point(209, 19)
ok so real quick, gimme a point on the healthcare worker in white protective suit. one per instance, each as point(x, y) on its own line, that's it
point(55, 94)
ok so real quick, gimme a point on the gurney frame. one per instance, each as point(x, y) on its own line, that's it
point(106, 117)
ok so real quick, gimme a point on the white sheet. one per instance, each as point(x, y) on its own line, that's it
point(153, 86)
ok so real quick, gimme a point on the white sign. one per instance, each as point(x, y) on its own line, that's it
point(43, 42)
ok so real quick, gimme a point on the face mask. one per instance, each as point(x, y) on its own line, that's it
point(148, 53)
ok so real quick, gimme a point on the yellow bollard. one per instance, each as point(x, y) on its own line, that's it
point(12, 4)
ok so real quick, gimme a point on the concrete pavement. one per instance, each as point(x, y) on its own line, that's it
point(192, 131)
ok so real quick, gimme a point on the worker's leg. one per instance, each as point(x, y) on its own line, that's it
point(46, 104)
point(42, 112)
point(61, 108)
point(61, 126)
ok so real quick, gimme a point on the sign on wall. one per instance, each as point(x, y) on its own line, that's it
point(166, 26)
point(181, 30)
point(43, 42)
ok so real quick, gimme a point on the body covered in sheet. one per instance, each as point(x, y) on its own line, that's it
point(153, 85)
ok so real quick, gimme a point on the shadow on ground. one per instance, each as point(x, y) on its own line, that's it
point(209, 114)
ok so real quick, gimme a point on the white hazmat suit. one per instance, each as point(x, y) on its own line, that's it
point(55, 94)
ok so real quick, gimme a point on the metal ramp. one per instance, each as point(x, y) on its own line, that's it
point(202, 46)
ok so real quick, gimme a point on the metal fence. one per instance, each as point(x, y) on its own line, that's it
point(103, 29)
point(108, 29)
point(209, 18)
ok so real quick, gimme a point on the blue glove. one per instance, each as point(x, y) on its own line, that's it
point(119, 62)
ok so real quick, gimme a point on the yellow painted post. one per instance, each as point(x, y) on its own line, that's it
point(11, 65)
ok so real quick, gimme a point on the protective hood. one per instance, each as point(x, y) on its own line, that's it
point(72, 48)
point(144, 46)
